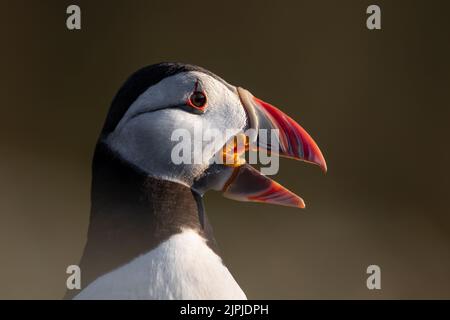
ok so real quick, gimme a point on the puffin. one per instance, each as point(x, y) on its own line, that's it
point(149, 236)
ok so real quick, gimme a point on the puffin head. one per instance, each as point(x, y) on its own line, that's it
point(177, 110)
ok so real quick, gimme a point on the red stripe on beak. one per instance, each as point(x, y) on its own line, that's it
point(243, 182)
point(294, 141)
point(247, 184)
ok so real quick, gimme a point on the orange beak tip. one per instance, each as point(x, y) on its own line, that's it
point(300, 203)
point(319, 160)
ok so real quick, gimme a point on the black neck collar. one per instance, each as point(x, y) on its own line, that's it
point(132, 213)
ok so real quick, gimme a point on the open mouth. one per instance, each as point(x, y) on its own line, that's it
point(245, 183)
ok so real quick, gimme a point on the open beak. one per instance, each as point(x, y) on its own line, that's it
point(248, 184)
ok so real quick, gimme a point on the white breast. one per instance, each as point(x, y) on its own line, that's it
point(182, 267)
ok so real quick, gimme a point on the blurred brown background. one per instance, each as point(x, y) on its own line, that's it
point(377, 103)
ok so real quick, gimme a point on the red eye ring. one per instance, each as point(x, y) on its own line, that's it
point(198, 100)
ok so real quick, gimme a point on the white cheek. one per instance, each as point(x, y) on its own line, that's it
point(145, 139)
point(225, 111)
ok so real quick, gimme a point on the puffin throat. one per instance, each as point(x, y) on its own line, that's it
point(132, 213)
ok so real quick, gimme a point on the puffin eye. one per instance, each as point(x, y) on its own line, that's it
point(198, 100)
